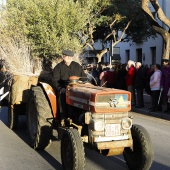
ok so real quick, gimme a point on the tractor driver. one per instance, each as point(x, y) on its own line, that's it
point(61, 73)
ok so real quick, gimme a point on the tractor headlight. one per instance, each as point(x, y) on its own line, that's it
point(126, 123)
point(98, 125)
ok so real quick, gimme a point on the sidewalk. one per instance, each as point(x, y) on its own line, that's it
point(146, 110)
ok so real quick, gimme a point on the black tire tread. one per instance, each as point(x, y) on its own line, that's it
point(77, 150)
point(145, 155)
point(44, 127)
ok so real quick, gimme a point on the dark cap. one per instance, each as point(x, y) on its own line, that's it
point(68, 53)
point(165, 60)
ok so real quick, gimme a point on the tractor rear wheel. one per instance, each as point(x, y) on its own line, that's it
point(12, 116)
point(39, 119)
point(72, 150)
point(141, 156)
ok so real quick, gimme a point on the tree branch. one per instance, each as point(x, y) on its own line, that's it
point(161, 14)
point(160, 30)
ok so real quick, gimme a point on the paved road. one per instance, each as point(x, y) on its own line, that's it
point(15, 152)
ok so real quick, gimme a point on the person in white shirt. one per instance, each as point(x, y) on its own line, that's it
point(155, 85)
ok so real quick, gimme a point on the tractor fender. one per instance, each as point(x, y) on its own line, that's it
point(49, 91)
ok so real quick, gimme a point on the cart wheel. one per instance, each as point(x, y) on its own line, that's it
point(141, 157)
point(13, 116)
point(72, 150)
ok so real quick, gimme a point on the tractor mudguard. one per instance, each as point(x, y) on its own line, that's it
point(51, 96)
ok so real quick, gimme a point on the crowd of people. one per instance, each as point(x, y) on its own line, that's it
point(137, 79)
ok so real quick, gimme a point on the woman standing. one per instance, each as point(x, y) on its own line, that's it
point(155, 85)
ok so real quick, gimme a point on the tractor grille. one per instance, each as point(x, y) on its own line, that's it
point(116, 101)
point(111, 126)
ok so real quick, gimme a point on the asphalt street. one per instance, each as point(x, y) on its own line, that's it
point(15, 153)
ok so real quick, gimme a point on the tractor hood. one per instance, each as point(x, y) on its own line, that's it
point(98, 99)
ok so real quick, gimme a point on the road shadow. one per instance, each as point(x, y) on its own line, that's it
point(104, 162)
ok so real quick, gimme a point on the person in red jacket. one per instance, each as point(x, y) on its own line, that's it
point(130, 80)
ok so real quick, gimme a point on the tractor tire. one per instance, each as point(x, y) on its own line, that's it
point(39, 119)
point(141, 156)
point(72, 150)
point(12, 116)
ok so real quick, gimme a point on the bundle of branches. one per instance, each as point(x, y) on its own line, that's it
point(16, 55)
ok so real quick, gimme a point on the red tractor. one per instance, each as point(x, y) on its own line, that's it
point(98, 116)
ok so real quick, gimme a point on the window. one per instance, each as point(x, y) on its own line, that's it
point(127, 55)
point(153, 55)
point(139, 55)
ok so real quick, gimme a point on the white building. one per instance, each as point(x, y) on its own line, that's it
point(148, 52)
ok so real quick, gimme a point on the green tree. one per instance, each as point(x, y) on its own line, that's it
point(49, 25)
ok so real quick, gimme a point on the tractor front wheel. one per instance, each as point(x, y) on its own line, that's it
point(72, 150)
point(140, 157)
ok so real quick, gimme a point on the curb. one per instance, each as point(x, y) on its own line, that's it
point(145, 111)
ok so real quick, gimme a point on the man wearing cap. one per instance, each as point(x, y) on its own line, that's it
point(61, 73)
point(165, 79)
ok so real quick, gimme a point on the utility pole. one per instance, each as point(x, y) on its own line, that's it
point(111, 51)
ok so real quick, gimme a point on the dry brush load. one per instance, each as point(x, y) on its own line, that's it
point(16, 56)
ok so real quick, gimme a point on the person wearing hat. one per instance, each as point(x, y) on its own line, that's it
point(165, 81)
point(61, 73)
